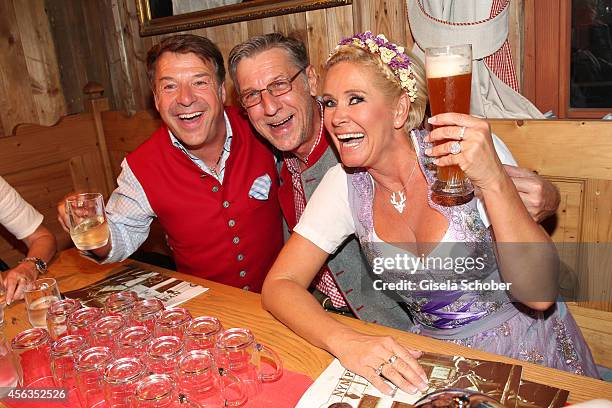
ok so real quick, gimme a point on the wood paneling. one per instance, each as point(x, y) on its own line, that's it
point(44, 164)
point(576, 156)
point(30, 89)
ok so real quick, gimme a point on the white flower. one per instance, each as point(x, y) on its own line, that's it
point(372, 45)
point(400, 50)
point(382, 37)
point(386, 54)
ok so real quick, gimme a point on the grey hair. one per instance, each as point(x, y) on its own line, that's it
point(296, 50)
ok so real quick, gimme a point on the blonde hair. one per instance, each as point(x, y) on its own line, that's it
point(386, 80)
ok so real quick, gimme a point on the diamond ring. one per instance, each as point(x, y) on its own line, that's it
point(378, 371)
point(392, 359)
point(461, 132)
point(455, 148)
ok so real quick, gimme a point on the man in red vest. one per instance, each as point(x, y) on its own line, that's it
point(211, 183)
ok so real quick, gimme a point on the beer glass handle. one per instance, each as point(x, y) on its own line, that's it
point(278, 364)
point(234, 382)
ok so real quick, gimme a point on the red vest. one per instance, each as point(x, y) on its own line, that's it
point(216, 230)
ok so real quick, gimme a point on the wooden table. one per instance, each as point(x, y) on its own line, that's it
point(237, 308)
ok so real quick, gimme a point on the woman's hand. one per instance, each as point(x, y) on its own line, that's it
point(476, 157)
point(373, 357)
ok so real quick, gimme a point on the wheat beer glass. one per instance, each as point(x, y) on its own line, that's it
point(88, 227)
point(449, 83)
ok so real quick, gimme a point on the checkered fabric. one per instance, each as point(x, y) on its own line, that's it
point(324, 280)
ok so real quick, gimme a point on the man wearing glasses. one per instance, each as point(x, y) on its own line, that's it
point(211, 183)
point(277, 87)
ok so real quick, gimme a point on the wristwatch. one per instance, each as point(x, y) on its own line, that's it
point(41, 266)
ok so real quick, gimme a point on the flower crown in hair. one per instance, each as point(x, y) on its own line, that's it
point(391, 54)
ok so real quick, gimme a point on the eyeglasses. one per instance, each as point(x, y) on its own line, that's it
point(275, 88)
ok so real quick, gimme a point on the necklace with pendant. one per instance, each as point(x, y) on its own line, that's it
point(398, 197)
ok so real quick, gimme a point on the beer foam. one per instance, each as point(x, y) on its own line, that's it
point(440, 66)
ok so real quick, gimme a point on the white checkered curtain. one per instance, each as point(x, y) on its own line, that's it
point(484, 24)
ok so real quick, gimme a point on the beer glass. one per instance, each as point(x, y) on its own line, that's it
point(202, 333)
point(163, 354)
point(120, 303)
point(105, 331)
point(145, 312)
point(89, 366)
point(9, 369)
point(449, 83)
point(238, 352)
point(39, 295)
point(132, 342)
point(201, 381)
point(88, 227)
point(57, 316)
point(159, 391)
point(63, 354)
point(172, 322)
point(120, 379)
point(81, 320)
point(32, 347)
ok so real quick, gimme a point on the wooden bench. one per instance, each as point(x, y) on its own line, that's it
point(84, 152)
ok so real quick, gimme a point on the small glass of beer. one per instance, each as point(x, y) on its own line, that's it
point(449, 82)
point(88, 227)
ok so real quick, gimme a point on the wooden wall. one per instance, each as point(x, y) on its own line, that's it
point(50, 49)
point(107, 33)
point(30, 89)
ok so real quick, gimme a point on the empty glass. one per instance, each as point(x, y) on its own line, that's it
point(63, 354)
point(81, 321)
point(9, 369)
point(145, 312)
point(105, 331)
point(201, 381)
point(132, 342)
point(238, 352)
point(172, 322)
point(89, 366)
point(120, 303)
point(120, 379)
point(57, 316)
point(159, 391)
point(38, 296)
point(202, 332)
point(163, 354)
point(32, 347)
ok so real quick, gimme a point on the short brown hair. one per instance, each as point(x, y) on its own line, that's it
point(296, 50)
point(205, 49)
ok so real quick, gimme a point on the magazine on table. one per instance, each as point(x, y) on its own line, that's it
point(338, 387)
point(145, 282)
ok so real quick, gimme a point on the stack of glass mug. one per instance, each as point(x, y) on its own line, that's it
point(136, 353)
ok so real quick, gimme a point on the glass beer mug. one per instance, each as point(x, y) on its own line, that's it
point(449, 84)
point(57, 316)
point(33, 349)
point(238, 352)
point(89, 366)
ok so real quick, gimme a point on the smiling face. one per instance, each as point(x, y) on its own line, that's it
point(189, 99)
point(286, 121)
point(361, 119)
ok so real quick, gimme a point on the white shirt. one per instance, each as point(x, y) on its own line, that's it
point(327, 220)
point(16, 214)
